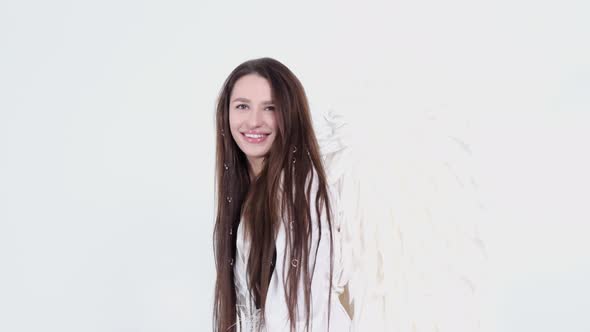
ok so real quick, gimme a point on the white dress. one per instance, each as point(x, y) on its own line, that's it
point(276, 315)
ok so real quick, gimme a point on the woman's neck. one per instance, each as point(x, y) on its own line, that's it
point(255, 168)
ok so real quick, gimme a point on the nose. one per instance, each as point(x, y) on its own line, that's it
point(254, 118)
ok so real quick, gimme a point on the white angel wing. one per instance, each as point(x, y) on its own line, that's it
point(407, 230)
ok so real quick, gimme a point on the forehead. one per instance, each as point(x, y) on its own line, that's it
point(253, 87)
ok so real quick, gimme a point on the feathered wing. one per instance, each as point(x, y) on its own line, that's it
point(406, 226)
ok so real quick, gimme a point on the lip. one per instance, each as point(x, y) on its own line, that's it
point(255, 140)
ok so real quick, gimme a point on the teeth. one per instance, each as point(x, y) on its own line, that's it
point(254, 135)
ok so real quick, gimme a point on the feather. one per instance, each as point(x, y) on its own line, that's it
point(407, 228)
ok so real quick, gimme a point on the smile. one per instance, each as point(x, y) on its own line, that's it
point(255, 138)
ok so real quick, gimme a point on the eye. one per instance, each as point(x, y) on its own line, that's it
point(270, 108)
point(241, 106)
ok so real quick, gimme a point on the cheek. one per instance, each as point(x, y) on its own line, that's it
point(272, 121)
point(231, 118)
point(234, 125)
point(234, 121)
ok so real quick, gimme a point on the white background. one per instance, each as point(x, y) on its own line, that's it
point(107, 142)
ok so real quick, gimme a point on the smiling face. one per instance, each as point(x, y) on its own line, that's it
point(252, 118)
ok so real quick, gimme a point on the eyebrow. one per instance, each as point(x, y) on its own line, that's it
point(246, 100)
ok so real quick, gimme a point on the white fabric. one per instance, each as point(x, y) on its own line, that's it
point(276, 315)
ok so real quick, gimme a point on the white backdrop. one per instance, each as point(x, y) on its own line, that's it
point(107, 142)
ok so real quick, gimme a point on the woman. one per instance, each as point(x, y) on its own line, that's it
point(274, 235)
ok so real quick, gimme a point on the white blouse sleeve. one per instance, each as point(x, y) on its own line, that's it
point(339, 319)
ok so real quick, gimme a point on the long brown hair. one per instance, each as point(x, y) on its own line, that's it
point(292, 159)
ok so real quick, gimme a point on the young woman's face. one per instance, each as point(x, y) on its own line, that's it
point(252, 118)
